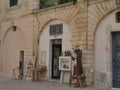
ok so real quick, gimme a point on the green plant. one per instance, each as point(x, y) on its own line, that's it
point(49, 3)
point(63, 1)
point(74, 1)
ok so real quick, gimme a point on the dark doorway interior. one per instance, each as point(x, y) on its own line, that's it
point(116, 59)
point(21, 63)
point(56, 52)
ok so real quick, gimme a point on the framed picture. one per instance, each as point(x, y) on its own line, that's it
point(64, 63)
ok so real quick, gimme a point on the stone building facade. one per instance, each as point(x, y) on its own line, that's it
point(91, 24)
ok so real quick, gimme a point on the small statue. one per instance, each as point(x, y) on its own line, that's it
point(78, 76)
point(78, 70)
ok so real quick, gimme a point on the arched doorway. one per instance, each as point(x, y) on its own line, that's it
point(55, 39)
point(105, 43)
point(13, 53)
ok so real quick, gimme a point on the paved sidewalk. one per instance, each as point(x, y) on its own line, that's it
point(9, 84)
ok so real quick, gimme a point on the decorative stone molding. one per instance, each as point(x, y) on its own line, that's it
point(117, 3)
point(96, 13)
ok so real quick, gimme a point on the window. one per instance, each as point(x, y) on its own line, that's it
point(118, 17)
point(14, 28)
point(13, 2)
point(56, 29)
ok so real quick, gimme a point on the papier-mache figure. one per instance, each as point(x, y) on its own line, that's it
point(77, 58)
point(78, 76)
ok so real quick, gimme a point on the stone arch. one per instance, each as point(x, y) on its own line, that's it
point(5, 33)
point(104, 50)
point(96, 13)
point(13, 43)
point(71, 15)
point(103, 19)
point(99, 11)
point(47, 22)
point(102, 10)
point(65, 14)
point(47, 46)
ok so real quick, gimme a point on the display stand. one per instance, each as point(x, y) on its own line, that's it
point(65, 76)
point(65, 67)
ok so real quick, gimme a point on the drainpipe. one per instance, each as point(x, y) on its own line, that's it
point(36, 44)
point(1, 46)
point(87, 3)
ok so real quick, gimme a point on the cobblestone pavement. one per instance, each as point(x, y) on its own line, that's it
point(9, 84)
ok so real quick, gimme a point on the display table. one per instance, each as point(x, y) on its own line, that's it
point(39, 73)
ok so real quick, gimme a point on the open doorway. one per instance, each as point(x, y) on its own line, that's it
point(56, 52)
point(21, 64)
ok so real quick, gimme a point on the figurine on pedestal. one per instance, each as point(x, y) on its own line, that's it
point(78, 70)
point(78, 76)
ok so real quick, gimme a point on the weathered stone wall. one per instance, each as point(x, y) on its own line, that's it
point(20, 16)
point(75, 16)
point(82, 19)
point(96, 13)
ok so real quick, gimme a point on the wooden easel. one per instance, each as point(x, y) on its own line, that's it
point(29, 72)
point(63, 73)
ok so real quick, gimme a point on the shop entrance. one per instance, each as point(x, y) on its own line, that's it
point(56, 52)
point(116, 59)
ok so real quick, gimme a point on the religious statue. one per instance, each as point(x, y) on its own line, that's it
point(78, 70)
point(78, 75)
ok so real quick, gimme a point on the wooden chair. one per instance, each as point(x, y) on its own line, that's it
point(16, 73)
point(39, 73)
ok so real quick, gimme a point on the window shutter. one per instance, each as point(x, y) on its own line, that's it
point(118, 17)
point(13, 2)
